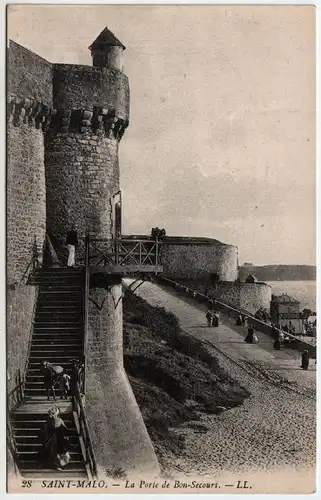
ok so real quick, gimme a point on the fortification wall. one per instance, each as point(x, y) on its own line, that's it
point(26, 195)
point(26, 221)
point(194, 260)
point(118, 432)
point(20, 308)
point(82, 174)
point(247, 296)
point(83, 87)
point(29, 75)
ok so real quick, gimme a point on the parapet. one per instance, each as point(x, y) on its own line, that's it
point(86, 87)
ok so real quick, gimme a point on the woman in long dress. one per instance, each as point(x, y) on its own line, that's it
point(305, 359)
point(250, 335)
point(55, 449)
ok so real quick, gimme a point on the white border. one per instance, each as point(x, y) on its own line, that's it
point(3, 234)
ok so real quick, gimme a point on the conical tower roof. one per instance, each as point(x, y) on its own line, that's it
point(108, 38)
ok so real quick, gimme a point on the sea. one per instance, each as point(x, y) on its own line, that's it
point(304, 291)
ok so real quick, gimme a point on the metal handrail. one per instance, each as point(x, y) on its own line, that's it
point(260, 325)
point(89, 455)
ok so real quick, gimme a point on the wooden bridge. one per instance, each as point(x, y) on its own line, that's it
point(123, 256)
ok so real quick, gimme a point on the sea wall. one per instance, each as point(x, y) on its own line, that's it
point(232, 312)
point(192, 259)
point(247, 296)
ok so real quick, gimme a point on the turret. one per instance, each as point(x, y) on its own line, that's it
point(107, 51)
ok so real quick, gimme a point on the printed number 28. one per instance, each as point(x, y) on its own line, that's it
point(26, 484)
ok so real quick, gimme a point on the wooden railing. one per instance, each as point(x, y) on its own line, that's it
point(11, 442)
point(15, 396)
point(82, 427)
point(103, 252)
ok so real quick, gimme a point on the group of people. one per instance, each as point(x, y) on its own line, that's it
point(55, 451)
point(213, 318)
point(55, 376)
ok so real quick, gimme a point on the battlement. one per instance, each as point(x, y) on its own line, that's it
point(34, 113)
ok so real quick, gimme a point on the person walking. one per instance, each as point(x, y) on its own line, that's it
point(64, 385)
point(239, 320)
point(72, 243)
point(305, 359)
point(55, 449)
point(250, 335)
point(75, 376)
point(216, 319)
point(209, 317)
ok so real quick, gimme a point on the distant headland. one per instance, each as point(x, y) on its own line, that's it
point(278, 272)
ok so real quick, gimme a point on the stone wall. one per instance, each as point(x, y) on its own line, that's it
point(29, 75)
point(82, 174)
point(199, 260)
point(247, 296)
point(82, 87)
point(26, 197)
point(20, 308)
point(116, 425)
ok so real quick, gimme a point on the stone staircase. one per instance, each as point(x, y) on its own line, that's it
point(58, 338)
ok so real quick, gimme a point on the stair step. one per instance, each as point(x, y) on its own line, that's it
point(33, 433)
point(69, 327)
point(70, 344)
point(50, 474)
point(44, 308)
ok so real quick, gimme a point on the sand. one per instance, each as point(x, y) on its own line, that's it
point(274, 429)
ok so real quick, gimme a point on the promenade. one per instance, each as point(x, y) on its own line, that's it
point(275, 428)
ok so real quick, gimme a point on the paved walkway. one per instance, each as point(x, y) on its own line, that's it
point(228, 337)
point(275, 427)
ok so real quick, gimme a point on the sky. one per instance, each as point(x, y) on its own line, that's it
point(221, 141)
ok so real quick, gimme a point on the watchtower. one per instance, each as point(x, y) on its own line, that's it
point(107, 51)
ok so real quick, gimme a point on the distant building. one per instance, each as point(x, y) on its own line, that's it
point(285, 311)
point(247, 264)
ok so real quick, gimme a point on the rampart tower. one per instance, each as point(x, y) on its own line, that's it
point(81, 152)
point(65, 125)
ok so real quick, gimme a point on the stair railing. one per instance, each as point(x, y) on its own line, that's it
point(11, 442)
point(15, 396)
point(87, 446)
point(86, 312)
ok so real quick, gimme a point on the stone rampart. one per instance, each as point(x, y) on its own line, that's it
point(26, 195)
point(189, 258)
point(29, 75)
point(85, 87)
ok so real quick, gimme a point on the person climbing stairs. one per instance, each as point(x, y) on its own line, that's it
point(58, 338)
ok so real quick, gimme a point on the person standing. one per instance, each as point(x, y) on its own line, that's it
point(64, 385)
point(72, 243)
point(305, 359)
point(250, 335)
point(209, 317)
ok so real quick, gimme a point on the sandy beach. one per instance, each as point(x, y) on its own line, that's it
point(274, 429)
